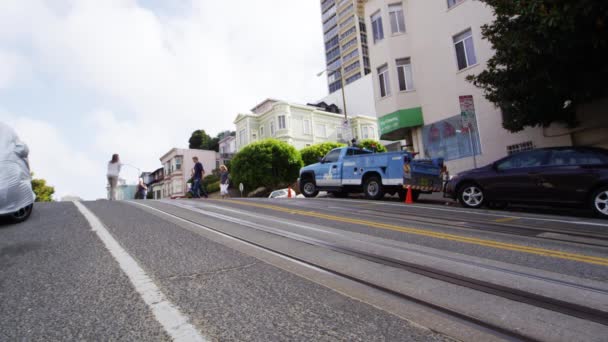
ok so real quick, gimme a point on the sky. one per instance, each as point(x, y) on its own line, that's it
point(83, 79)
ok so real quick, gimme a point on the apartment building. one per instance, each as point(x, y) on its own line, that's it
point(421, 51)
point(227, 147)
point(345, 39)
point(177, 166)
point(300, 125)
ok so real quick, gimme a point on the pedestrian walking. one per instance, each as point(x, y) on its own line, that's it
point(114, 166)
point(142, 189)
point(197, 176)
point(224, 181)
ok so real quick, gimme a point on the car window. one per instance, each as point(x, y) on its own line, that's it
point(576, 157)
point(524, 159)
point(362, 152)
point(332, 156)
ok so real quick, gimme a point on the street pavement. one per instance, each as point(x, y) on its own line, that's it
point(278, 270)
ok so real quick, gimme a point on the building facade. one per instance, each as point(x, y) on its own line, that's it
point(227, 149)
point(300, 125)
point(177, 167)
point(155, 185)
point(345, 39)
point(421, 53)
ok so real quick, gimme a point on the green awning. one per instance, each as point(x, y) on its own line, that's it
point(393, 126)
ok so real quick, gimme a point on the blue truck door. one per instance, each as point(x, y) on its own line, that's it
point(330, 171)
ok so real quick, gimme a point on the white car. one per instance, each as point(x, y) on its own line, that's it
point(16, 194)
point(282, 193)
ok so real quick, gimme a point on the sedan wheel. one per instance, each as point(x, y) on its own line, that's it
point(22, 214)
point(600, 202)
point(471, 196)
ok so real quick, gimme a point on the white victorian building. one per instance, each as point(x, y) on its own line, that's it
point(301, 125)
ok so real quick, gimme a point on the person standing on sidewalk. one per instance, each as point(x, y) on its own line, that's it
point(114, 166)
point(197, 177)
point(224, 181)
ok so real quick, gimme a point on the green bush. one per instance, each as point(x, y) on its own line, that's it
point(212, 178)
point(311, 154)
point(213, 187)
point(266, 163)
point(371, 145)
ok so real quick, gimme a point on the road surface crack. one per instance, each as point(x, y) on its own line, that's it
point(214, 272)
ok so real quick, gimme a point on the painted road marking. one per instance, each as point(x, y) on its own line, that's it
point(480, 242)
point(464, 211)
point(167, 314)
point(506, 219)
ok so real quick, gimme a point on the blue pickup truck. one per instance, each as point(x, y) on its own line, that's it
point(353, 170)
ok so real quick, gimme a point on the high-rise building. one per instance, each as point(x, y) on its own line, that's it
point(345, 41)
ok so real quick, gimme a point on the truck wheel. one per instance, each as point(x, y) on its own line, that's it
point(308, 188)
point(373, 188)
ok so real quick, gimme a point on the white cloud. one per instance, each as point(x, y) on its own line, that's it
point(173, 73)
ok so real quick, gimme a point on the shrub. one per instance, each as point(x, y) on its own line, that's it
point(311, 154)
point(213, 187)
point(372, 145)
point(267, 163)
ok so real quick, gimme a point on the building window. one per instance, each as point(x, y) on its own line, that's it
point(282, 124)
point(242, 137)
point(178, 163)
point(272, 128)
point(261, 131)
point(353, 78)
point(385, 88)
point(377, 27)
point(351, 67)
point(320, 131)
point(348, 32)
point(452, 3)
point(525, 146)
point(349, 44)
point(306, 128)
point(465, 51)
point(367, 132)
point(404, 74)
point(254, 137)
point(351, 55)
point(395, 13)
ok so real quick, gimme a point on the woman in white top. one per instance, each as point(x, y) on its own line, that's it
point(113, 172)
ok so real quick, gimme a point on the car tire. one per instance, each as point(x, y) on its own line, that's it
point(308, 188)
point(373, 188)
point(599, 202)
point(22, 214)
point(471, 195)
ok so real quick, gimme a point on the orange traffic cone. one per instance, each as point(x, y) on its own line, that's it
point(289, 192)
point(408, 197)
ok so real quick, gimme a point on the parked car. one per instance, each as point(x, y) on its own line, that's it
point(16, 194)
point(282, 193)
point(572, 176)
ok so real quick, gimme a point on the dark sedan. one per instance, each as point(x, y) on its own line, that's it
point(572, 176)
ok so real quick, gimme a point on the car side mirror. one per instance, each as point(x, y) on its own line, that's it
point(321, 160)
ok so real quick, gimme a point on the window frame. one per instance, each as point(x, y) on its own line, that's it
point(306, 127)
point(283, 124)
point(384, 80)
point(454, 3)
point(544, 160)
point(377, 27)
point(396, 12)
point(401, 64)
point(464, 47)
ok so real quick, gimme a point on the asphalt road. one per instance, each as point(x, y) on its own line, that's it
point(297, 269)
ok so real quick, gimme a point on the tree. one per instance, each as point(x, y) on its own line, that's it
point(267, 163)
point(372, 145)
point(200, 140)
point(44, 193)
point(311, 154)
point(550, 57)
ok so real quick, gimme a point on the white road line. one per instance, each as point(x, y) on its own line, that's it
point(167, 314)
point(464, 211)
point(200, 226)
